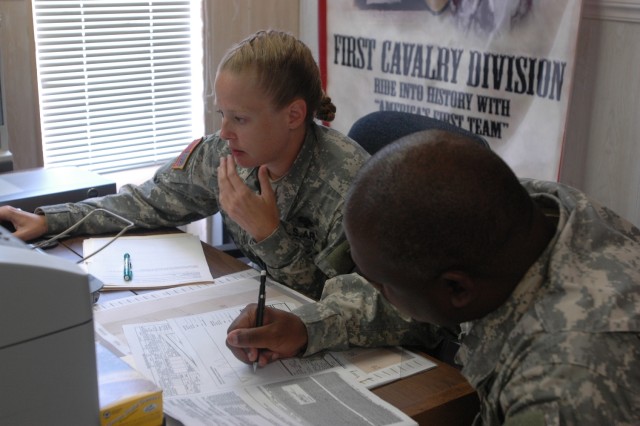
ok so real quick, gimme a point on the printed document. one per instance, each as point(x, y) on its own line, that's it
point(188, 358)
point(324, 399)
point(176, 337)
point(189, 355)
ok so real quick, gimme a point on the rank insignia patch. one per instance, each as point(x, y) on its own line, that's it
point(182, 159)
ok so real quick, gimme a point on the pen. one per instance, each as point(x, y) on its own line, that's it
point(260, 312)
point(128, 272)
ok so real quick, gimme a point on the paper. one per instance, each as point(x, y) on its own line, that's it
point(372, 366)
point(188, 358)
point(176, 337)
point(324, 399)
point(230, 290)
point(157, 261)
point(188, 355)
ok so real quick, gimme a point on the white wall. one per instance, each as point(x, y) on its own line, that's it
point(309, 25)
point(22, 118)
point(602, 153)
point(6, 159)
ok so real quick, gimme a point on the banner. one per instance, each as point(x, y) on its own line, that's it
point(502, 69)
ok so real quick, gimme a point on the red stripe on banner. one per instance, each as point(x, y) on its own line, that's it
point(322, 41)
point(561, 160)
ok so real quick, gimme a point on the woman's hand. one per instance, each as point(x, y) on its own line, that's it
point(255, 213)
point(28, 226)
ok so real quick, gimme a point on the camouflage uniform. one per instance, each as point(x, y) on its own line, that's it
point(565, 346)
point(309, 245)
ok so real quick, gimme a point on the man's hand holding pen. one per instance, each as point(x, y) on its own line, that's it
point(282, 335)
point(262, 299)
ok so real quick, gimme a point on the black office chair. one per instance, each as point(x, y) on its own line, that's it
point(377, 129)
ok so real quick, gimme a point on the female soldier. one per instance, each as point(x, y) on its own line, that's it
point(277, 176)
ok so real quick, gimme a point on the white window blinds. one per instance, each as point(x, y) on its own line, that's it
point(117, 81)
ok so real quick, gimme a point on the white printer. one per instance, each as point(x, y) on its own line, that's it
point(47, 350)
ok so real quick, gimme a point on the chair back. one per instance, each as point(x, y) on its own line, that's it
point(377, 129)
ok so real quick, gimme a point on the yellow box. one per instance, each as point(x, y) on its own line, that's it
point(127, 398)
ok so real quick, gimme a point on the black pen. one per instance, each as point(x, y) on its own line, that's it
point(260, 312)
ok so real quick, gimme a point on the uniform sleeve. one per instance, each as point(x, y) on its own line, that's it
point(567, 394)
point(352, 313)
point(290, 262)
point(172, 197)
point(573, 378)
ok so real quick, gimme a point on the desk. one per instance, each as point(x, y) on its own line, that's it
point(440, 396)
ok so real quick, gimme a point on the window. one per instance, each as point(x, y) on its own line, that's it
point(118, 81)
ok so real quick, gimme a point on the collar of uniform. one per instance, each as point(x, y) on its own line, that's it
point(487, 341)
point(289, 184)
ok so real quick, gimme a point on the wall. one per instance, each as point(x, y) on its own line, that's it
point(602, 153)
point(20, 88)
point(6, 159)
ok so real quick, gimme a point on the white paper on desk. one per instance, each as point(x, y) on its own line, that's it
point(323, 399)
point(158, 261)
point(373, 367)
point(231, 290)
point(204, 384)
point(188, 355)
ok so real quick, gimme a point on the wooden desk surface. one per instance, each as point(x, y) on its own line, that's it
point(440, 396)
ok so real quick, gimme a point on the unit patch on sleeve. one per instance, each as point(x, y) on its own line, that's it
point(182, 159)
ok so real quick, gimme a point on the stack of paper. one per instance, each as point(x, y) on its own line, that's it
point(177, 338)
point(204, 384)
point(157, 261)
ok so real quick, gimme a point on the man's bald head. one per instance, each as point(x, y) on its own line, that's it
point(436, 200)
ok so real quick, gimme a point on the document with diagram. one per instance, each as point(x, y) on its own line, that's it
point(176, 337)
point(188, 358)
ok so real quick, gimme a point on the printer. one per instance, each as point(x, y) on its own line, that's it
point(47, 346)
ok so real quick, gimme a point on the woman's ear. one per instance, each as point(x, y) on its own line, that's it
point(462, 288)
point(297, 113)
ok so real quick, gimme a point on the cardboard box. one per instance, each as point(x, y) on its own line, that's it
point(127, 398)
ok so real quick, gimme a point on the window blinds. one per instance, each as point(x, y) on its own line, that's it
point(116, 81)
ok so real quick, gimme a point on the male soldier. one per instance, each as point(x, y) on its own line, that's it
point(544, 282)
